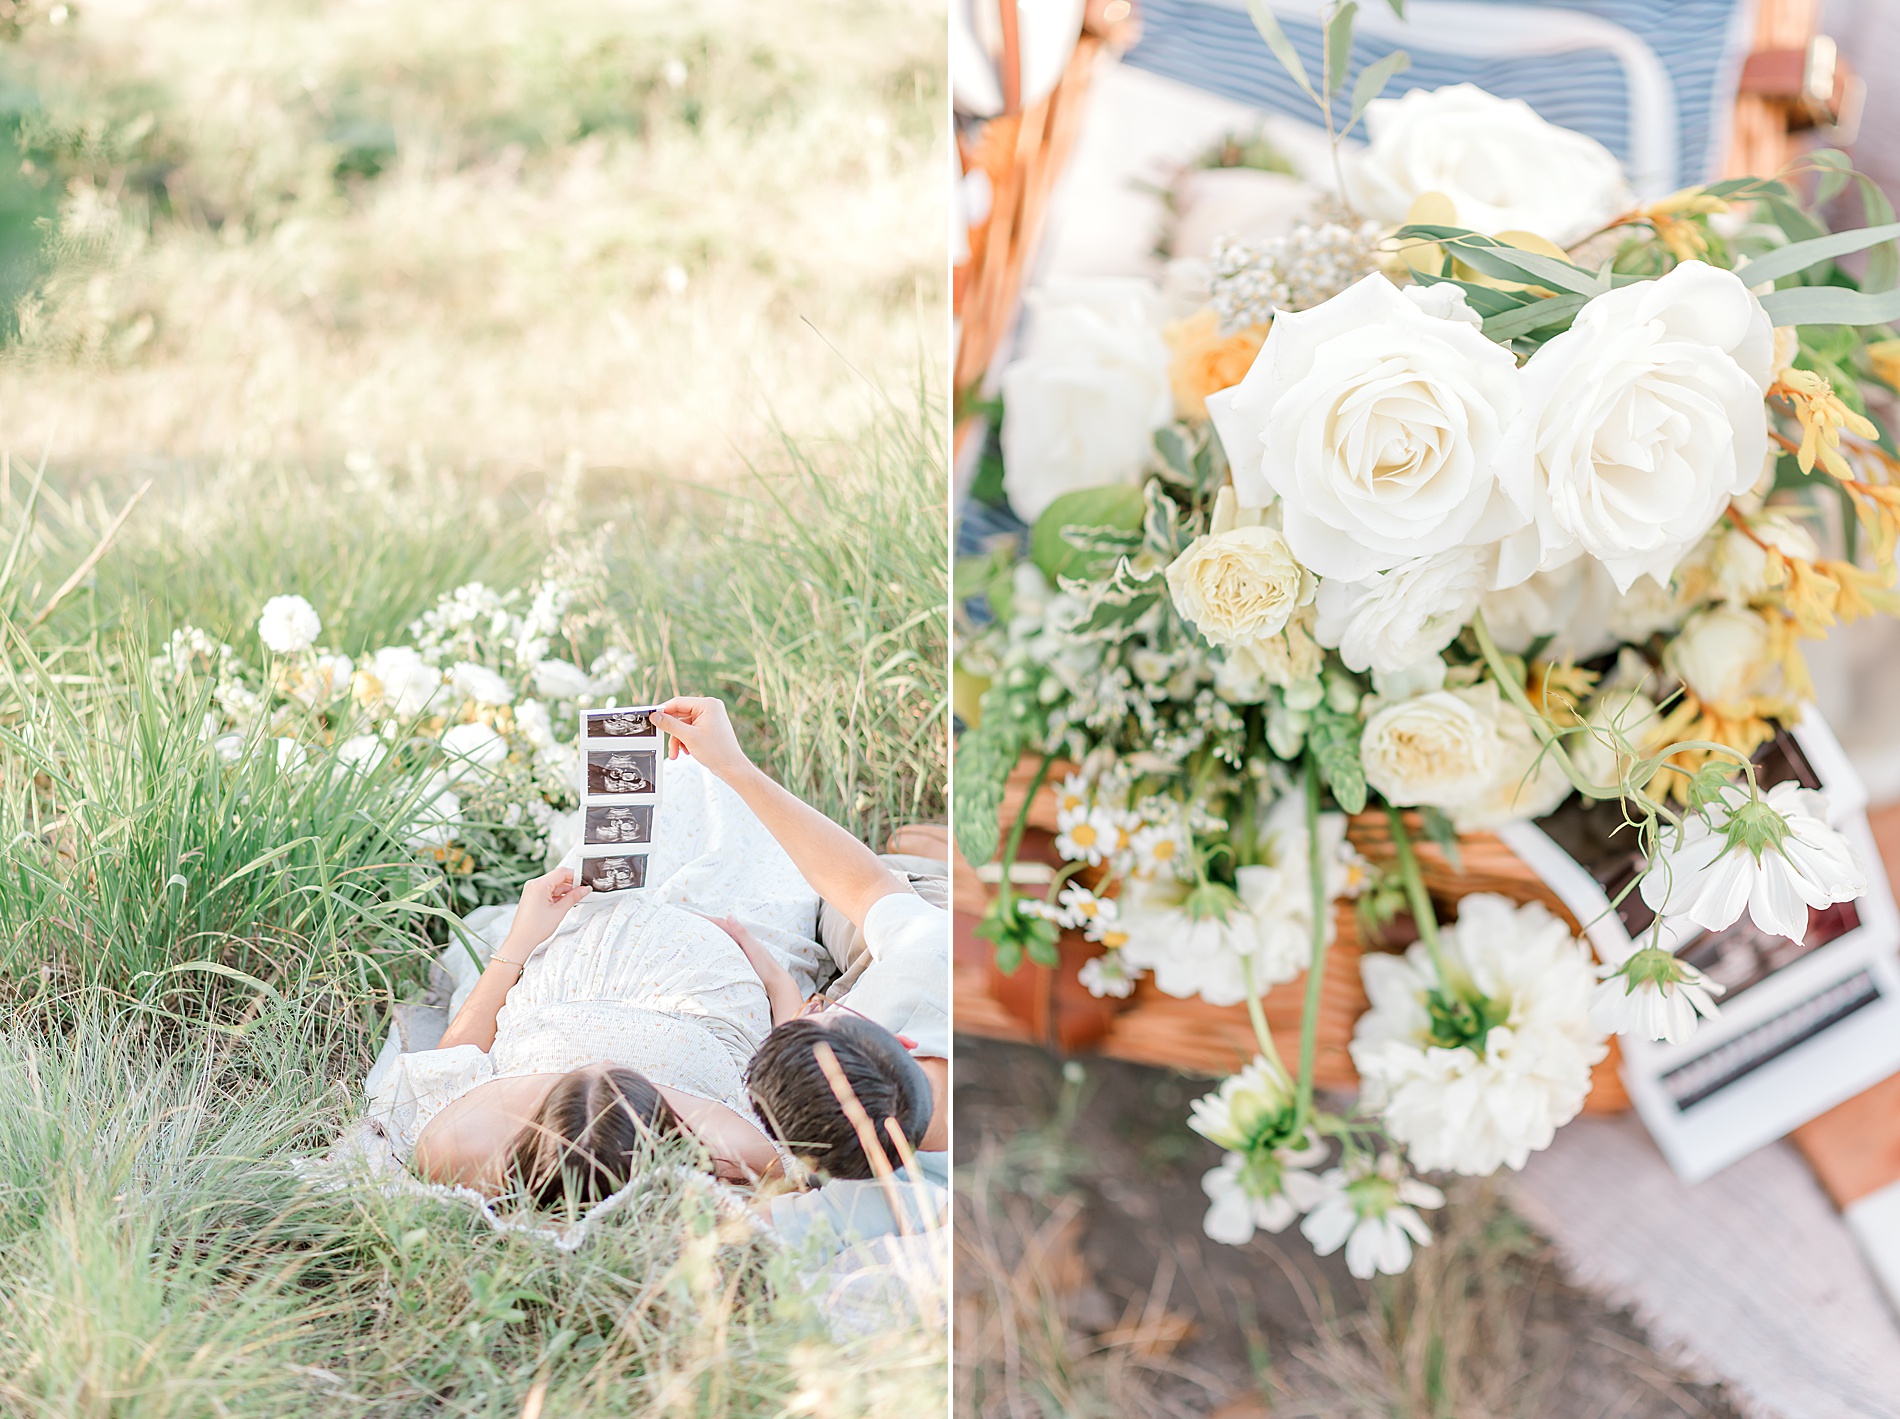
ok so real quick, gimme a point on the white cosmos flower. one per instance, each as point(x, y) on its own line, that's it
point(480, 684)
point(288, 625)
point(1395, 619)
point(1371, 1210)
point(1776, 858)
point(1081, 404)
point(1235, 1211)
point(1376, 426)
point(1654, 995)
point(1503, 167)
point(1524, 1069)
point(409, 684)
point(474, 748)
point(1639, 424)
point(561, 679)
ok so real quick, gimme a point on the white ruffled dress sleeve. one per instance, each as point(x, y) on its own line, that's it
point(408, 1090)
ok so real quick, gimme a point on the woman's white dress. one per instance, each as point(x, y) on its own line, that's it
point(636, 978)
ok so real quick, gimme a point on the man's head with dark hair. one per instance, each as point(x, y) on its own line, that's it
point(788, 1085)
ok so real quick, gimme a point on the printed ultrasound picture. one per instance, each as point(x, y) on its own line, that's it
point(630, 823)
point(623, 771)
point(614, 874)
point(627, 723)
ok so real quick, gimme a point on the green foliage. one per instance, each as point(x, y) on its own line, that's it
point(1077, 532)
point(985, 754)
point(1333, 738)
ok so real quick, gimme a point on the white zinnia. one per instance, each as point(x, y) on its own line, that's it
point(1371, 1210)
point(1503, 167)
point(473, 748)
point(1377, 427)
point(480, 684)
point(1639, 424)
point(1742, 860)
point(1082, 402)
point(289, 625)
point(1395, 619)
point(1478, 1107)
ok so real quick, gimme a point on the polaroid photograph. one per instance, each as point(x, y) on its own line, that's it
point(1804, 1025)
point(618, 823)
point(634, 722)
point(621, 773)
point(614, 872)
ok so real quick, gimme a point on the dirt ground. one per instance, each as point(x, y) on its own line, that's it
point(1086, 1287)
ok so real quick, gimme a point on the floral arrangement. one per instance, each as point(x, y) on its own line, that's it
point(477, 709)
point(1450, 502)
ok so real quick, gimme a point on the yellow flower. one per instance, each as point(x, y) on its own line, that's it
point(1862, 592)
point(1808, 594)
point(1206, 361)
point(1884, 356)
point(1670, 220)
point(1822, 416)
point(1557, 689)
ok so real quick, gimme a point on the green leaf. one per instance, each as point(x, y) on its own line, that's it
point(1339, 45)
point(1487, 301)
point(1439, 828)
point(1555, 310)
point(984, 757)
point(1120, 603)
point(1281, 46)
point(1373, 79)
point(1117, 506)
point(1800, 255)
point(1175, 452)
point(1334, 739)
point(1494, 258)
point(1831, 305)
point(1398, 7)
point(1161, 524)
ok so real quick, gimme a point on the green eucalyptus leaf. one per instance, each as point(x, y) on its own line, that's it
point(1800, 255)
point(1373, 79)
point(1281, 46)
point(1831, 305)
point(1339, 45)
point(1495, 258)
point(1538, 315)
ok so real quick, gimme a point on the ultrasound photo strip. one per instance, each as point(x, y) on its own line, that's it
point(622, 774)
point(606, 870)
point(617, 823)
point(624, 727)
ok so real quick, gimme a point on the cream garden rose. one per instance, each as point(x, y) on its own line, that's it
point(1725, 656)
point(1376, 426)
point(1081, 404)
point(1240, 585)
point(1639, 424)
point(1464, 751)
point(1502, 167)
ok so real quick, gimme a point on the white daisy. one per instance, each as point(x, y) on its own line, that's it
point(1236, 1210)
point(1480, 1071)
point(1105, 975)
point(1160, 849)
point(1072, 798)
point(1371, 1210)
point(1082, 908)
point(1776, 856)
point(1089, 838)
point(1655, 995)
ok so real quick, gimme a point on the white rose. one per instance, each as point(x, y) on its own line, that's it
point(1377, 426)
point(561, 679)
point(1239, 586)
point(1571, 605)
point(480, 684)
point(328, 676)
point(1640, 422)
point(289, 625)
point(1725, 656)
point(1464, 751)
point(409, 683)
point(1395, 619)
point(1444, 300)
point(1502, 167)
point(1082, 402)
point(475, 748)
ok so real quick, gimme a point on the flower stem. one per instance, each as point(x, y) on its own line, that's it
point(1006, 889)
point(1316, 966)
point(1268, 1050)
point(1423, 914)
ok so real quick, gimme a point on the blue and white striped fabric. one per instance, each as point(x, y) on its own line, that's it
point(1652, 80)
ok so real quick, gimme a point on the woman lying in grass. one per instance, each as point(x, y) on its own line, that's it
point(604, 1023)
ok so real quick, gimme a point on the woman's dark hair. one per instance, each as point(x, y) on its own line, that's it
point(586, 1135)
point(799, 1106)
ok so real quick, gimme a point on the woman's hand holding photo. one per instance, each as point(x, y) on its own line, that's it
point(545, 902)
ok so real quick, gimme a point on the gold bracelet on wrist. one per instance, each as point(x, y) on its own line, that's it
point(507, 961)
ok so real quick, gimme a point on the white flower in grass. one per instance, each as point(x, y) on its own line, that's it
point(561, 679)
point(1371, 1209)
point(1774, 857)
point(329, 675)
point(1640, 423)
point(1375, 426)
point(438, 815)
point(289, 625)
point(364, 752)
point(229, 747)
point(291, 756)
point(474, 749)
point(1501, 165)
point(535, 725)
point(399, 679)
point(611, 671)
point(1655, 995)
point(480, 684)
point(1236, 1209)
point(1479, 1072)
point(1090, 837)
point(1395, 619)
point(1106, 976)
